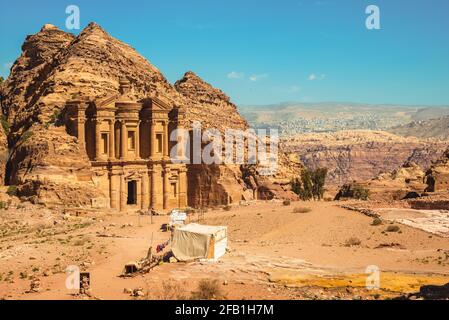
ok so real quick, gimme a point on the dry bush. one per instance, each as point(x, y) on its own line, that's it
point(353, 242)
point(286, 202)
point(376, 222)
point(208, 290)
point(227, 208)
point(301, 210)
point(392, 228)
point(171, 290)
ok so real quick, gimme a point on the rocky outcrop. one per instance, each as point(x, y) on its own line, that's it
point(207, 100)
point(405, 182)
point(56, 66)
point(437, 177)
point(48, 166)
point(4, 128)
point(422, 190)
point(361, 155)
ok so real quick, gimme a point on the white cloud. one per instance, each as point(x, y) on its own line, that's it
point(235, 75)
point(257, 77)
point(313, 77)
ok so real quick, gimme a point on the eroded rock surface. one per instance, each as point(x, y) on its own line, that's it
point(56, 66)
point(362, 155)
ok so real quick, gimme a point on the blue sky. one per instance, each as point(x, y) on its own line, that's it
point(263, 52)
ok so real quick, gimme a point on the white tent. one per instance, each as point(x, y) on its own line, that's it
point(195, 241)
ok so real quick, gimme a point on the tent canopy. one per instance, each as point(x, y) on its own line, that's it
point(195, 241)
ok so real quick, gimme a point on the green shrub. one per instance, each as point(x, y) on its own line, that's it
point(360, 193)
point(12, 191)
point(376, 222)
point(311, 184)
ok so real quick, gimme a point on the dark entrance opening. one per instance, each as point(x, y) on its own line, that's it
point(132, 192)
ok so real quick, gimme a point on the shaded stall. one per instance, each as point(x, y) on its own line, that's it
point(195, 241)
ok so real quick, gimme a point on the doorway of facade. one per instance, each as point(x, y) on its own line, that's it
point(132, 192)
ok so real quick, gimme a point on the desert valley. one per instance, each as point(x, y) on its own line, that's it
point(86, 122)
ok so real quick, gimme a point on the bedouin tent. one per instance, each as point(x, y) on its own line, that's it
point(195, 241)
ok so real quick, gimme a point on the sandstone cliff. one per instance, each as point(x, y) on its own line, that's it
point(437, 177)
point(404, 182)
point(209, 105)
point(55, 66)
point(361, 155)
point(407, 182)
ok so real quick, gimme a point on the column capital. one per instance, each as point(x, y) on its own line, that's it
point(167, 170)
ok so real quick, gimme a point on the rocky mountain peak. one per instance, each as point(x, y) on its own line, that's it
point(192, 85)
point(94, 29)
point(207, 100)
point(48, 26)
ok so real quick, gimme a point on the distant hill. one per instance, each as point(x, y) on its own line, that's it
point(294, 117)
point(433, 128)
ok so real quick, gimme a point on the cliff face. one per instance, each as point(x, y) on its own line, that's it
point(361, 155)
point(405, 182)
point(209, 105)
point(437, 177)
point(56, 66)
point(430, 188)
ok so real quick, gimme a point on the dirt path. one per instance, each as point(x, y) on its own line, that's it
point(274, 253)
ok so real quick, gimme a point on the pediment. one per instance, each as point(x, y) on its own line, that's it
point(134, 175)
point(156, 104)
point(108, 101)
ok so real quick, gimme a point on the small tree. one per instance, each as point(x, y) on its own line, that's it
point(307, 185)
point(311, 184)
point(318, 181)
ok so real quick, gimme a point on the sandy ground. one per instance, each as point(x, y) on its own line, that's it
point(275, 253)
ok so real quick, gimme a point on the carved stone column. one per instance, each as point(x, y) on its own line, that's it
point(154, 173)
point(124, 141)
point(111, 140)
point(81, 123)
point(97, 139)
point(182, 187)
point(114, 190)
point(138, 141)
point(145, 191)
point(123, 193)
point(152, 139)
point(165, 153)
point(81, 132)
point(166, 187)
